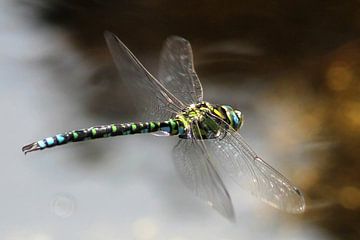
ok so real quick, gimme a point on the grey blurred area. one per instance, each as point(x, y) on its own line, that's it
point(292, 68)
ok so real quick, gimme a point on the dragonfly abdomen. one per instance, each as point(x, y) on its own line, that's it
point(171, 127)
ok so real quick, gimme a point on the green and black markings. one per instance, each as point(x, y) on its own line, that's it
point(171, 127)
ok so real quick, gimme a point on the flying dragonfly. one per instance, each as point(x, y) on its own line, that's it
point(210, 147)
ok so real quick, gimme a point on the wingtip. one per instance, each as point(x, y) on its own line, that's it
point(302, 204)
point(178, 40)
point(107, 33)
point(231, 217)
point(228, 213)
point(111, 40)
point(302, 207)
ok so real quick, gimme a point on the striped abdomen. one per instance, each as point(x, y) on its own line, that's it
point(172, 127)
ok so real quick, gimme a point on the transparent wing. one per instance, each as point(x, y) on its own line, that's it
point(192, 161)
point(151, 97)
point(177, 73)
point(233, 157)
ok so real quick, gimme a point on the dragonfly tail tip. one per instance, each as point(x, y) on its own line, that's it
point(30, 148)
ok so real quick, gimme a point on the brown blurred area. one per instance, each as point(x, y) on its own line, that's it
point(303, 55)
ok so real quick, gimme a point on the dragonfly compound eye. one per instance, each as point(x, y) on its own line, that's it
point(240, 116)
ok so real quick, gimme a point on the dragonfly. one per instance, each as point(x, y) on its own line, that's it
point(210, 147)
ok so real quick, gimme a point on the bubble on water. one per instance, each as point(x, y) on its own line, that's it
point(63, 205)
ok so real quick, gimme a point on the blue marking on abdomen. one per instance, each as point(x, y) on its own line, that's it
point(41, 144)
point(165, 129)
point(50, 141)
point(60, 138)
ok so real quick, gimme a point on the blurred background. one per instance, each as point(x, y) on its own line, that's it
point(292, 67)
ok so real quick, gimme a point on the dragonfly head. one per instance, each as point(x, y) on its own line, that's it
point(234, 117)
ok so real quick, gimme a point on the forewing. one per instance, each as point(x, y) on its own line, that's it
point(235, 158)
point(152, 100)
point(193, 163)
point(177, 73)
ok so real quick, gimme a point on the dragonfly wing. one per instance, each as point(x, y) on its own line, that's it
point(200, 176)
point(151, 96)
point(193, 163)
point(177, 73)
point(236, 159)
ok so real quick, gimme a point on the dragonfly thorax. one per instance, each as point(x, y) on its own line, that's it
point(205, 121)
